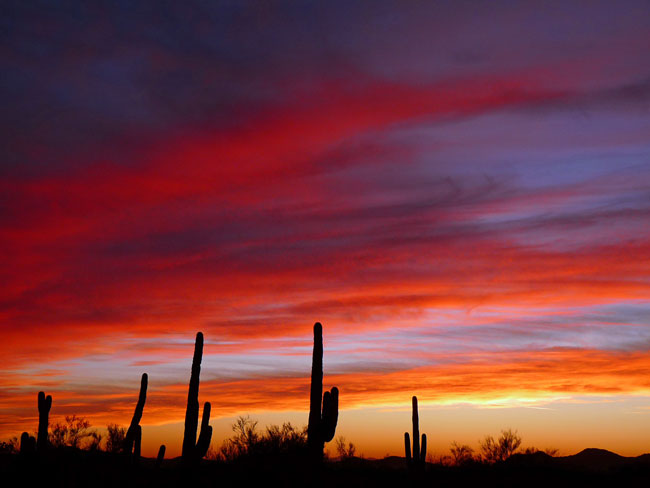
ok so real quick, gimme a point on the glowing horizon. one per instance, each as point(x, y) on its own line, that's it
point(459, 193)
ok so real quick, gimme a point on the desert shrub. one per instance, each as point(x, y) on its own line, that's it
point(73, 433)
point(461, 454)
point(248, 442)
point(500, 449)
point(115, 437)
point(345, 451)
point(11, 446)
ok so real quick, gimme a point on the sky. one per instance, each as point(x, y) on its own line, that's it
point(459, 191)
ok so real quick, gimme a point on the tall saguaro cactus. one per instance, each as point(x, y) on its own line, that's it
point(417, 460)
point(133, 435)
point(44, 406)
point(322, 424)
point(194, 450)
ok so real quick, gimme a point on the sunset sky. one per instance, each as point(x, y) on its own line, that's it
point(459, 191)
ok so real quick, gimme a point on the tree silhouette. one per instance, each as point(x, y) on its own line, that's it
point(345, 451)
point(72, 432)
point(461, 454)
point(115, 438)
point(501, 449)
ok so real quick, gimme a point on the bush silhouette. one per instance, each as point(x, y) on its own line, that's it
point(345, 451)
point(248, 443)
point(501, 449)
point(461, 454)
point(72, 433)
point(115, 438)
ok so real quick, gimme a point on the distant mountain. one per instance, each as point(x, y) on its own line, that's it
point(598, 459)
point(590, 459)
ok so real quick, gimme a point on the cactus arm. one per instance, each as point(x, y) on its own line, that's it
point(205, 436)
point(330, 413)
point(44, 406)
point(192, 411)
point(423, 453)
point(161, 455)
point(407, 447)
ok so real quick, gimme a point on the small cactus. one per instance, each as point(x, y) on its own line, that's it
point(322, 424)
point(44, 406)
point(194, 450)
point(418, 459)
point(27, 444)
point(161, 456)
point(133, 436)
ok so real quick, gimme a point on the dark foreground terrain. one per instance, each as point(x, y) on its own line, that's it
point(75, 468)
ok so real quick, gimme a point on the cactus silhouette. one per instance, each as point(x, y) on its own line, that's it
point(322, 425)
point(417, 460)
point(133, 436)
point(194, 450)
point(44, 406)
point(27, 444)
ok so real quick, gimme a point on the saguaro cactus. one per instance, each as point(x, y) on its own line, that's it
point(133, 435)
point(322, 424)
point(194, 450)
point(417, 460)
point(44, 406)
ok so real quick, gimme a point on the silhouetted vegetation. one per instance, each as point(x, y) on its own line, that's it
point(74, 432)
point(461, 454)
point(275, 442)
point(115, 438)
point(500, 449)
point(69, 453)
point(11, 446)
point(345, 451)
